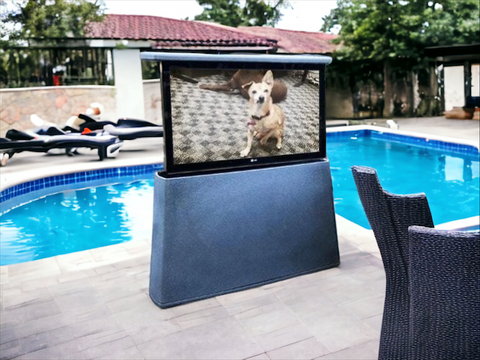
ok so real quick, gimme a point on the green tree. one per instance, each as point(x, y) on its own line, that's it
point(394, 33)
point(253, 12)
point(47, 19)
point(40, 21)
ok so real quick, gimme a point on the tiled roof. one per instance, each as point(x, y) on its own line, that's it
point(295, 41)
point(172, 32)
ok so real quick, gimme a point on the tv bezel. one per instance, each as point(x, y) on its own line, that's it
point(235, 62)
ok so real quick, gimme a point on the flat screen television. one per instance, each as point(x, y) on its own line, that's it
point(232, 111)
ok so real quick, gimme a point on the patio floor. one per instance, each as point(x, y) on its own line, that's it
point(95, 305)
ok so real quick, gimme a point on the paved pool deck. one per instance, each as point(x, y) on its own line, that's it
point(94, 304)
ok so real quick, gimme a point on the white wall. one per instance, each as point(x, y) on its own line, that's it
point(454, 87)
point(475, 79)
point(128, 82)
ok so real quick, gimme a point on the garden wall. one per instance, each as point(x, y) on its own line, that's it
point(57, 104)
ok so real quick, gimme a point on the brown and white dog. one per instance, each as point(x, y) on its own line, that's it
point(265, 119)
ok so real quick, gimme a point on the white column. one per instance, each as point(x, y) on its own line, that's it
point(128, 82)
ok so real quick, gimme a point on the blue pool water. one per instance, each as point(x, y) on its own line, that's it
point(450, 180)
point(84, 219)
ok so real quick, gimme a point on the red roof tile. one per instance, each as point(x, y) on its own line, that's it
point(171, 32)
point(295, 41)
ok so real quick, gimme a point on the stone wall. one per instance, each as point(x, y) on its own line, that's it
point(55, 104)
point(152, 100)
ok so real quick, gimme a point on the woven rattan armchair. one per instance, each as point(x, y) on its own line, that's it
point(390, 216)
point(445, 294)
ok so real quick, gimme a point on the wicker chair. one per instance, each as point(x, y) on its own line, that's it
point(390, 216)
point(445, 294)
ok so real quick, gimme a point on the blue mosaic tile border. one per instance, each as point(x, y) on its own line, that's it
point(405, 139)
point(80, 177)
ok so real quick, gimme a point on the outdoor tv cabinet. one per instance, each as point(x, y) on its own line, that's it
point(222, 231)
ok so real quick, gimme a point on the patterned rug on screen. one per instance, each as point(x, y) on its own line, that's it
point(212, 126)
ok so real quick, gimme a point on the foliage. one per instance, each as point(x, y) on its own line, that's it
point(253, 12)
point(399, 30)
point(44, 21)
point(47, 19)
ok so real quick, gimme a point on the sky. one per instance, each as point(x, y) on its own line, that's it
point(306, 15)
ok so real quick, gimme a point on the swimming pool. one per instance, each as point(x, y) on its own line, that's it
point(94, 217)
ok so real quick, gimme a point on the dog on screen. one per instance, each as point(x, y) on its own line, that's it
point(265, 119)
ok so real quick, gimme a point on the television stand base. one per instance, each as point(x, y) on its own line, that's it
point(219, 233)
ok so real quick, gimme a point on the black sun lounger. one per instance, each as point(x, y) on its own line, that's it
point(129, 129)
point(108, 146)
point(125, 129)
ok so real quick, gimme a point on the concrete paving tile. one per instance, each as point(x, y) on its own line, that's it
point(75, 294)
point(9, 350)
point(71, 262)
point(338, 330)
point(142, 313)
point(306, 349)
point(283, 337)
point(379, 285)
point(267, 318)
point(354, 292)
point(98, 326)
point(232, 299)
point(138, 247)
point(34, 297)
point(194, 306)
point(63, 351)
point(3, 275)
point(32, 285)
point(9, 290)
point(124, 288)
point(120, 354)
point(367, 351)
point(259, 357)
point(369, 273)
point(108, 254)
point(117, 346)
point(38, 326)
point(201, 317)
point(375, 322)
point(33, 270)
point(222, 339)
point(316, 297)
point(88, 313)
point(45, 339)
point(142, 334)
point(354, 259)
point(250, 303)
point(303, 280)
point(7, 335)
point(134, 300)
point(23, 313)
point(345, 246)
point(366, 307)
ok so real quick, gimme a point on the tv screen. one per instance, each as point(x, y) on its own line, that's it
point(222, 113)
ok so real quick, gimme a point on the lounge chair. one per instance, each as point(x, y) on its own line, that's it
point(125, 129)
point(390, 216)
point(108, 146)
